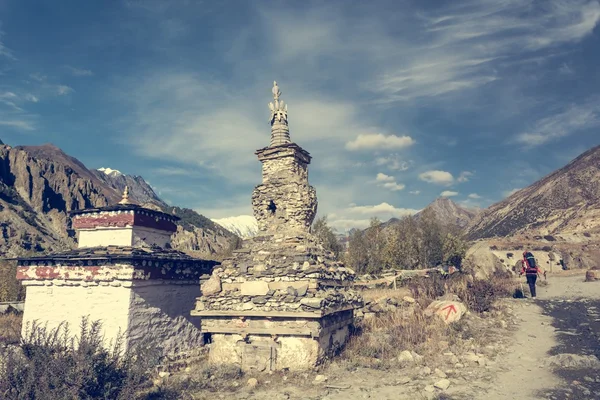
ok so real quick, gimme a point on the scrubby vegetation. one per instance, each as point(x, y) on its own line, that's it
point(51, 364)
point(379, 340)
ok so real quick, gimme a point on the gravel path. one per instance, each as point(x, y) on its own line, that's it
point(556, 350)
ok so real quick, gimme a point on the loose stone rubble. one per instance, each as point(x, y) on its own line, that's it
point(281, 301)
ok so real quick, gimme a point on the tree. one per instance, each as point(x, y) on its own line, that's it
point(356, 256)
point(432, 238)
point(403, 244)
point(454, 250)
point(326, 235)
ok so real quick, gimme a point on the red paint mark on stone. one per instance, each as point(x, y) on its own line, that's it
point(450, 309)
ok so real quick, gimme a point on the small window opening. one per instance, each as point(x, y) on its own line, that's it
point(272, 207)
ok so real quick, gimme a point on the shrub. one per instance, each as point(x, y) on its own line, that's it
point(509, 255)
point(51, 364)
point(587, 234)
point(549, 238)
point(546, 248)
point(10, 328)
point(427, 287)
point(494, 248)
point(10, 288)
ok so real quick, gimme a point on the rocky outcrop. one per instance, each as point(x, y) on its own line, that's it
point(565, 202)
point(40, 185)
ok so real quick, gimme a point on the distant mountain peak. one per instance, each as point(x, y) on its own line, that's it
point(447, 211)
point(110, 171)
point(244, 226)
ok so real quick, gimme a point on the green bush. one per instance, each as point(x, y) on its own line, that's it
point(52, 365)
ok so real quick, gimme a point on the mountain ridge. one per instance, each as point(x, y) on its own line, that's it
point(564, 201)
point(40, 185)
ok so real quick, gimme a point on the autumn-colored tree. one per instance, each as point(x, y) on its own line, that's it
point(326, 235)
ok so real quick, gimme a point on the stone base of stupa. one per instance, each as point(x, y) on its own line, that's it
point(272, 341)
point(280, 302)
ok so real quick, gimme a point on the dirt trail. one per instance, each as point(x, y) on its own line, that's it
point(524, 374)
point(527, 374)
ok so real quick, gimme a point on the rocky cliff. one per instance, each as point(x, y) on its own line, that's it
point(566, 202)
point(39, 185)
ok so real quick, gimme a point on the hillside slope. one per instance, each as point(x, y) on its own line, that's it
point(565, 202)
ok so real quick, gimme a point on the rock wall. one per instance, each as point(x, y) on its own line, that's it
point(279, 273)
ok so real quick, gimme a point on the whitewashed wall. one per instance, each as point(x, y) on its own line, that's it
point(155, 310)
point(52, 305)
point(105, 237)
point(164, 310)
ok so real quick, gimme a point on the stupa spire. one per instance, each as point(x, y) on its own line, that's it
point(280, 132)
point(125, 199)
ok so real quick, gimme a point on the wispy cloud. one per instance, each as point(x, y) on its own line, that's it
point(389, 182)
point(18, 124)
point(464, 176)
point(394, 162)
point(448, 193)
point(5, 51)
point(62, 90)
point(568, 121)
point(467, 41)
point(79, 71)
point(32, 98)
point(378, 141)
point(474, 196)
point(437, 177)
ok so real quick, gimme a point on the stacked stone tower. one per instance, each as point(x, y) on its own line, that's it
point(281, 301)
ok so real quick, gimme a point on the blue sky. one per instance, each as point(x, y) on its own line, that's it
point(397, 101)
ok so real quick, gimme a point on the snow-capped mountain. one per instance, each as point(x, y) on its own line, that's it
point(244, 226)
point(110, 171)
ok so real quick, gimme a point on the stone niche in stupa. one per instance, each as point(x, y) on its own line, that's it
point(281, 301)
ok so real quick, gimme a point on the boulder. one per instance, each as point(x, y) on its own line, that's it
point(442, 384)
point(211, 286)
point(406, 357)
point(482, 261)
point(592, 275)
point(448, 311)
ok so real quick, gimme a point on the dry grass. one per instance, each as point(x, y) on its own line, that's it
point(375, 295)
point(379, 340)
point(10, 328)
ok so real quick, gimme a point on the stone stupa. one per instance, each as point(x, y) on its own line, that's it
point(281, 301)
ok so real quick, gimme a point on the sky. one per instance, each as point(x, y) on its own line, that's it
point(398, 102)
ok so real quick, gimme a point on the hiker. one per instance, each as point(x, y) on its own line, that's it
point(531, 271)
